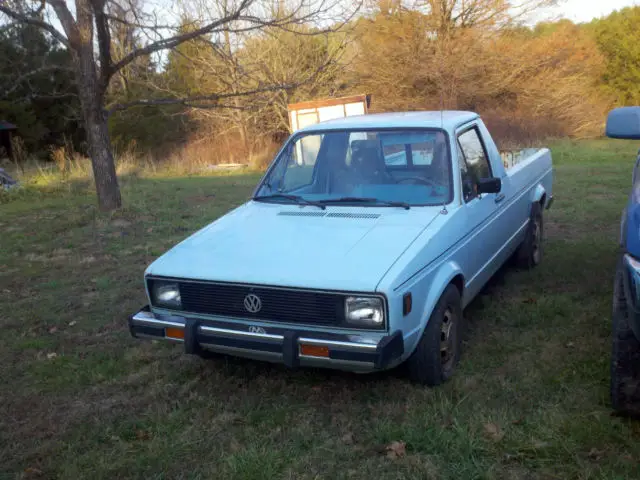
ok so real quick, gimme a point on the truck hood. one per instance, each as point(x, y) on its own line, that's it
point(340, 248)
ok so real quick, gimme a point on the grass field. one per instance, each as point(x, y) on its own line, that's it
point(79, 398)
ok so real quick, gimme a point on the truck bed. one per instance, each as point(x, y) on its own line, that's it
point(511, 158)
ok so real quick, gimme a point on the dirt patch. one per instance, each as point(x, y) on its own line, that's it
point(200, 199)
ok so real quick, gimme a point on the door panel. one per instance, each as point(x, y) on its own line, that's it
point(484, 213)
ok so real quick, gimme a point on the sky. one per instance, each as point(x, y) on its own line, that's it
point(575, 10)
point(587, 10)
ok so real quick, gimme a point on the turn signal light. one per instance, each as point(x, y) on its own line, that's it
point(406, 304)
point(314, 351)
point(177, 333)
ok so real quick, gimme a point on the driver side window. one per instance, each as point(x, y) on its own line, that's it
point(468, 185)
point(474, 164)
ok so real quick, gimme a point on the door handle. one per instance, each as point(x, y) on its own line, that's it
point(499, 197)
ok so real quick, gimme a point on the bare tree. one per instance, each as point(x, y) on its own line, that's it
point(86, 30)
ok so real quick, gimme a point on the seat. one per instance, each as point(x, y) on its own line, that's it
point(340, 176)
point(368, 162)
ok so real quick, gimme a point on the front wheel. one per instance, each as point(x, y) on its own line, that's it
point(438, 351)
point(625, 356)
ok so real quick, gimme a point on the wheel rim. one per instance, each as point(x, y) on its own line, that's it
point(537, 237)
point(447, 339)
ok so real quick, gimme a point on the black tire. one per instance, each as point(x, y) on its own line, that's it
point(625, 356)
point(529, 253)
point(436, 356)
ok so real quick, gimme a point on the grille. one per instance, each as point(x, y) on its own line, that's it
point(278, 305)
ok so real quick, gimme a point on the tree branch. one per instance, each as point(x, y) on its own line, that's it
point(22, 18)
point(104, 42)
point(172, 42)
point(68, 23)
point(17, 82)
point(198, 101)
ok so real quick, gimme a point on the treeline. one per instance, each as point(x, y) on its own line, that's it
point(231, 91)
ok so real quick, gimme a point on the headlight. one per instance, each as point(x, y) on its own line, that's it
point(166, 294)
point(364, 311)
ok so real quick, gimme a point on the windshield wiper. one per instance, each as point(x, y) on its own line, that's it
point(404, 205)
point(294, 198)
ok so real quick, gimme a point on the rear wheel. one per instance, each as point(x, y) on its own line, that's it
point(529, 253)
point(625, 356)
point(438, 351)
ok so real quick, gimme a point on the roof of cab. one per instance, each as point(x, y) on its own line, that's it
point(446, 119)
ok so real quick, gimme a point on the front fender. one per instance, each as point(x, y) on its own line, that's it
point(435, 285)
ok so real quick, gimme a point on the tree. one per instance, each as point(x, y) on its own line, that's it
point(87, 32)
point(37, 89)
point(304, 61)
point(523, 81)
point(448, 16)
point(618, 38)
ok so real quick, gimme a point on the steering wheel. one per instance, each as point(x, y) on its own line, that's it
point(424, 181)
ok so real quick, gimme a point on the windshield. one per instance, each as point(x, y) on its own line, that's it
point(371, 168)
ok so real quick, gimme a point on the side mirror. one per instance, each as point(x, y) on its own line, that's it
point(489, 185)
point(624, 122)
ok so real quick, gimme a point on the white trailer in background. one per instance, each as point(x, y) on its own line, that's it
point(308, 113)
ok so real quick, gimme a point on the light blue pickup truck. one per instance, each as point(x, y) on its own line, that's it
point(359, 249)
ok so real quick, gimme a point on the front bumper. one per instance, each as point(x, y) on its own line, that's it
point(549, 202)
point(631, 289)
point(292, 347)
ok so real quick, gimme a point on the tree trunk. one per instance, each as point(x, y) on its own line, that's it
point(95, 120)
point(104, 170)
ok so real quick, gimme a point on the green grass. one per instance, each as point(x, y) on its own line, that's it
point(79, 398)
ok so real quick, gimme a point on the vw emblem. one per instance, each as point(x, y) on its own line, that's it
point(252, 303)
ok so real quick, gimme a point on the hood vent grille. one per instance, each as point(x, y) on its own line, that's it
point(353, 215)
point(302, 214)
point(330, 215)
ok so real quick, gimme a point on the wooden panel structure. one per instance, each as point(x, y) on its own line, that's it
point(302, 114)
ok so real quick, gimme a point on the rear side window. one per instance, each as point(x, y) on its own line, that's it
point(474, 154)
point(407, 148)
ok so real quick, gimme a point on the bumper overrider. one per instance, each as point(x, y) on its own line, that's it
point(292, 347)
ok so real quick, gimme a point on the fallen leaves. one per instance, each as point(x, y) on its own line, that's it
point(119, 222)
point(396, 450)
point(348, 439)
point(234, 446)
point(595, 454)
point(143, 435)
point(32, 472)
point(493, 431)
